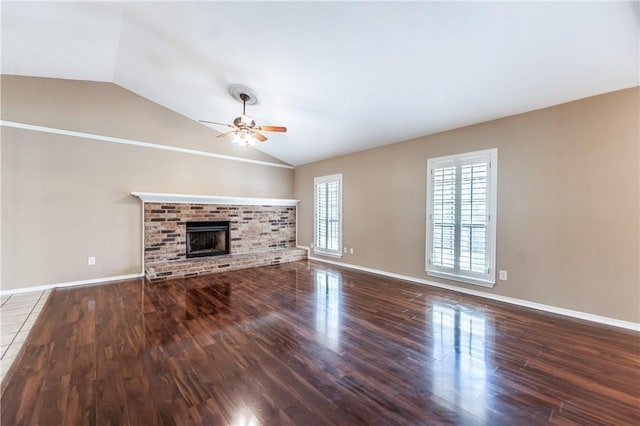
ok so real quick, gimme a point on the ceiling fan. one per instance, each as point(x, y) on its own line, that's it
point(245, 131)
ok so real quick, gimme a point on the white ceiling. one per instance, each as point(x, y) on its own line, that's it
point(342, 76)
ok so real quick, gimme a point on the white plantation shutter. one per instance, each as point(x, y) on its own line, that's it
point(473, 217)
point(321, 215)
point(444, 216)
point(328, 212)
point(461, 200)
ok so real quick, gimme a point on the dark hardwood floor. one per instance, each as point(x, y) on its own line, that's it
point(308, 343)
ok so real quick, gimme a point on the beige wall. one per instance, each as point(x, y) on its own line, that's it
point(568, 191)
point(66, 198)
point(568, 226)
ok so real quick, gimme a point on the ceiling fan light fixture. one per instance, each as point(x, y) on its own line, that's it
point(241, 138)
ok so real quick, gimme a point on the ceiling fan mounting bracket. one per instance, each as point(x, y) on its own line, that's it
point(242, 93)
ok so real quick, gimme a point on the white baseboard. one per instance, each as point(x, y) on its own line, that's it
point(71, 284)
point(511, 300)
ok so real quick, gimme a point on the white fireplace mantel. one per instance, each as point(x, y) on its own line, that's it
point(156, 197)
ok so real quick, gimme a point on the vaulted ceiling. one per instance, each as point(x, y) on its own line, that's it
point(342, 76)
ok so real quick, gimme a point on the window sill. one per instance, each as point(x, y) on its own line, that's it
point(324, 253)
point(466, 280)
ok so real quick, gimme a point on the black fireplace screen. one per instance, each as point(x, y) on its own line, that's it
point(207, 238)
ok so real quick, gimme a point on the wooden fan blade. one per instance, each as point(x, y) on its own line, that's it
point(259, 136)
point(225, 134)
point(219, 124)
point(272, 128)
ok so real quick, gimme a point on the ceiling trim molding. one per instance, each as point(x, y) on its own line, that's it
point(156, 197)
point(133, 142)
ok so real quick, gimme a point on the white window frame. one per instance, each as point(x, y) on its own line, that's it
point(316, 182)
point(488, 278)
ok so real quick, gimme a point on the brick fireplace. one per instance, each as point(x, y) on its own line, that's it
point(261, 232)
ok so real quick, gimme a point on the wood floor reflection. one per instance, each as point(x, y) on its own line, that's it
point(307, 343)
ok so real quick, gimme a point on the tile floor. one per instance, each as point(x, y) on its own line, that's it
point(18, 313)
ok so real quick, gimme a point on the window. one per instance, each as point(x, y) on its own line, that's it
point(328, 215)
point(461, 214)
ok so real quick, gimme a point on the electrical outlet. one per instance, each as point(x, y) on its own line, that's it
point(344, 250)
point(91, 260)
point(311, 245)
point(351, 250)
point(503, 275)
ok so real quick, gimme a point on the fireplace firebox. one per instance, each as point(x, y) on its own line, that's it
point(207, 239)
